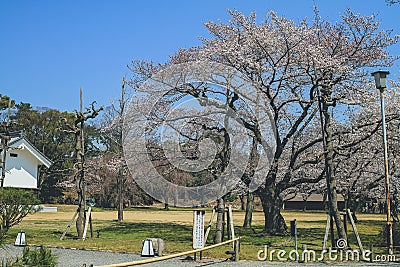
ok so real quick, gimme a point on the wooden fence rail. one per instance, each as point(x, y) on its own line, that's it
point(236, 242)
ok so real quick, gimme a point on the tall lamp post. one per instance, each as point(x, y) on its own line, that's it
point(380, 82)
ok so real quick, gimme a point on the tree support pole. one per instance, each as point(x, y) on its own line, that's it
point(69, 225)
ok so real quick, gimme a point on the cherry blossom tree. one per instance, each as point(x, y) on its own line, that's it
point(392, 2)
point(113, 128)
point(306, 71)
point(360, 152)
point(294, 66)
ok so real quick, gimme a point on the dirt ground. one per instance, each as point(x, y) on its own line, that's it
point(183, 216)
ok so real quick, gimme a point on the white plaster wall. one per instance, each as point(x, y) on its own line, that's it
point(21, 171)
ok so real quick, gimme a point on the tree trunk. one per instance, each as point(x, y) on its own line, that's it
point(80, 185)
point(77, 128)
point(120, 186)
point(330, 177)
point(175, 198)
point(220, 226)
point(80, 222)
point(242, 204)
point(274, 223)
point(4, 147)
point(121, 172)
point(249, 210)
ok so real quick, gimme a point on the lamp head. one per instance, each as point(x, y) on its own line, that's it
point(380, 78)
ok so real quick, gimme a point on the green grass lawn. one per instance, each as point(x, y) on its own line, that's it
point(128, 235)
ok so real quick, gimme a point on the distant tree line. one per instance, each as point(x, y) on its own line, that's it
point(43, 128)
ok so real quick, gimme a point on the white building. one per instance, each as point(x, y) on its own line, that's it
point(22, 164)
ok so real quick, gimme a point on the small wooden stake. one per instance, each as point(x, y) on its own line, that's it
point(91, 225)
point(355, 230)
point(328, 223)
point(230, 222)
point(236, 245)
point(209, 226)
point(86, 223)
point(69, 225)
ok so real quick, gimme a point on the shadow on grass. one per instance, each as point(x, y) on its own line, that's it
point(313, 236)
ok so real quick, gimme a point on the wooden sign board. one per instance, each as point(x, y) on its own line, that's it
point(198, 229)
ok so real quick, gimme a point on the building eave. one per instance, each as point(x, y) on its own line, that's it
point(32, 149)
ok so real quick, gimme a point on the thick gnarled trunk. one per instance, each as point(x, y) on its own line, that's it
point(274, 223)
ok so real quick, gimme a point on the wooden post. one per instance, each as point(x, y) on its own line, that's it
point(86, 223)
point(230, 222)
point(209, 226)
point(345, 226)
point(333, 243)
point(355, 231)
point(236, 246)
point(228, 225)
point(69, 225)
point(328, 223)
point(304, 249)
point(91, 225)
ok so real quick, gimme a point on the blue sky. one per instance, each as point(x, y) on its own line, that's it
point(48, 49)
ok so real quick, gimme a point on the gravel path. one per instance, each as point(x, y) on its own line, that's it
point(78, 257)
